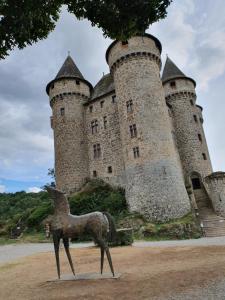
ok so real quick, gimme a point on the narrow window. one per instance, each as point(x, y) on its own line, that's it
point(201, 120)
point(204, 156)
point(97, 150)
point(77, 82)
point(114, 99)
point(110, 169)
point(133, 131)
point(129, 106)
point(105, 122)
point(124, 43)
point(91, 108)
point(94, 126)
point(196, 119)
point(94, 173)
point(200, 137)
point(62, 111)
point(136, 152)
point(102, 103)
point(52, 86)
point(173, 84)
point(191, 101)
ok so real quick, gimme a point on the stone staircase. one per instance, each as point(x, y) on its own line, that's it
point(212, 225)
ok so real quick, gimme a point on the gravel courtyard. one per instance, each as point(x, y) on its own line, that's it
point(148, 272)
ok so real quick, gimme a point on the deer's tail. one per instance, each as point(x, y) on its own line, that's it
point(112, 227)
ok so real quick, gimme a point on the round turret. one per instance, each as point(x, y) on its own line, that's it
point(187, 116)
point(68, 92)
point(154, 179)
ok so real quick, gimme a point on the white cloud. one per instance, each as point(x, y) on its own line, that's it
point(33, 190)
point(2, 188)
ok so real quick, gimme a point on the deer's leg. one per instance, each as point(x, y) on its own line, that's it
point(103, 245)
point(66, 246)
point(102, 258)
point(56, 240)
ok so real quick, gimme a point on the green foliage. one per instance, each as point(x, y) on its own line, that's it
point(98, 196)
point(25, 22)
point(29, 209)
point(120, 19)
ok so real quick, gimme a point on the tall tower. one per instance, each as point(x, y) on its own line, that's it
point(68, 92)
point(155, 185)
point(188, 120)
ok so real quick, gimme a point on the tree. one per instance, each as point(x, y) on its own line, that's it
point(25, 22)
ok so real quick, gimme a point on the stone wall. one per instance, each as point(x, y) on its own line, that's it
point(190, 137)
point(105, 112)
point(216, 188)
point(71, 159)
point(155, 185)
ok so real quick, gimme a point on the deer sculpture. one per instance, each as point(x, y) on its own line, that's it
point(63, 225)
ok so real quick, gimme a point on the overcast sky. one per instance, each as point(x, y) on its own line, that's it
point(193, 35)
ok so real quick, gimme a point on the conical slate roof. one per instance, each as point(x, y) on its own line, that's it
point(171, 71)
point(69, 69)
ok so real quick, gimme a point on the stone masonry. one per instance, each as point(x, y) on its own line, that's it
point(133, 129)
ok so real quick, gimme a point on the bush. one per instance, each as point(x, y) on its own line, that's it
point(98, 196)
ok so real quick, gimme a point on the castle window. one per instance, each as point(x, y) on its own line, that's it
point(94, 126)
point(129, 106)
point(52, 86)
point(136, 152)
point(97, 150)
point(204, 156)
point(114, 99)
point(201, 120)
point(200, 137)
point(105, 122)
point(110, 169)
point(133, 131)
point(192, 103)
point(102, 103)
point(195, 118)
point(124, 43)
point(77, 82)
point(62, 111)
point(173, 84)
point(94, 173)
point(91, 108)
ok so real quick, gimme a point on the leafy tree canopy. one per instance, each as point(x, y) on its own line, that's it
point(25, 22)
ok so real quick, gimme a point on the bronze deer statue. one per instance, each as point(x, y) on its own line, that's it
point(63, 225)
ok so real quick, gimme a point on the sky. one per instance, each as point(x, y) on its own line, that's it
point(193, 35)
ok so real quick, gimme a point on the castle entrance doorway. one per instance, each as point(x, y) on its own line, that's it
point(201, 196)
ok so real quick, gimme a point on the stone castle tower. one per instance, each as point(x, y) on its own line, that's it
point(133, 129)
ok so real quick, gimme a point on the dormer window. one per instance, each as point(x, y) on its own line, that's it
point(173, 84)
point(77, 82)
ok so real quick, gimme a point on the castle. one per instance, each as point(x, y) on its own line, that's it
point(137, 130)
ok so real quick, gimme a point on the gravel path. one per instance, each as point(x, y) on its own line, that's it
point(12, 252)
point(15, 251)
point(215, 241)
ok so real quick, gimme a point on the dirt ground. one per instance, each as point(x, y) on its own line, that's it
point(147, 273)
